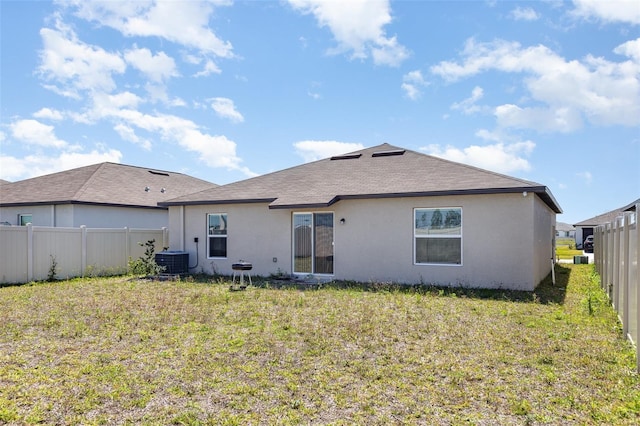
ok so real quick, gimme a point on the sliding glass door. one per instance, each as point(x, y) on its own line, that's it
point(313, 243)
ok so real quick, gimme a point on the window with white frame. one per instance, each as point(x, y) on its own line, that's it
point(217, 232)
point(24, 219)
point(437, 235)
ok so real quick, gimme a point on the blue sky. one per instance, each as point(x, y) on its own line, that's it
point(547, 91)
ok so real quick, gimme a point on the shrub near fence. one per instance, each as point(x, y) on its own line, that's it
point(35, 253)
point(617, 256)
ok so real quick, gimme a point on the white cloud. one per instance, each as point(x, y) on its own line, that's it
point(317, 150)
point(128, 134)
point(358, 28)
point(468, 106)
point(13, 169)
point(157, 68)
point(49, 114)
point(412, 84)
point(182, 22)
point(608, 11)
point(600, 91)
point(32, 132)
point(542, 119)
point(630, 49)
point(75, 65)
point(209, 68)
point(225, 108)
point(524, 14)
point(499, 157)
point(213, 150)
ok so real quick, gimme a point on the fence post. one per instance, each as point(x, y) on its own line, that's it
point(625, 274)
point(637, 284)
point(29, 252)
point(83, 249)
point(615, 268)
point(127, 244)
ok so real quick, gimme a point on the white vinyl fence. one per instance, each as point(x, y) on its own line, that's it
point(617, 256)
point(28, 253)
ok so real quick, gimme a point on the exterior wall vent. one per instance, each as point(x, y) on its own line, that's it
point(388, 153)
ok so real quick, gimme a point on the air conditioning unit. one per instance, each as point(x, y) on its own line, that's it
point(174, 262)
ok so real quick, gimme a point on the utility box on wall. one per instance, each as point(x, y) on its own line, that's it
point(174, 262)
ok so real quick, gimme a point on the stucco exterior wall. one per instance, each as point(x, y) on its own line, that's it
point(255, 234)
point(506, 240)
point(544, 236)
point(119, 217)
point(40, 215)
point(76, 215)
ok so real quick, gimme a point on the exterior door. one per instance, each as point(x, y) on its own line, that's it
point(313, 243)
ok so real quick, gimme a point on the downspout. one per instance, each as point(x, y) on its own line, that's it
point(182, 229)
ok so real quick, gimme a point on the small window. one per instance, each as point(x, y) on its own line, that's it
point(24, 219)
point(438, 236)
point(217, 231)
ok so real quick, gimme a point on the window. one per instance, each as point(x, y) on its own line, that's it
point(217, 231)
point(438, 236)
point(313, 243)
point(23, 219)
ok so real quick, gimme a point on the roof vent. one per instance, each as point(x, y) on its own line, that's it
point(388, 153)
point(346, 157)
point(153, 172)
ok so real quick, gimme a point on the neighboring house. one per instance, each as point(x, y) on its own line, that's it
point(586, 227)
point(105, 195)
point(382, 214)
point(565, 230)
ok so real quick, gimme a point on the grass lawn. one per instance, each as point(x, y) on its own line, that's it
point(565, 248)
point(118, 350)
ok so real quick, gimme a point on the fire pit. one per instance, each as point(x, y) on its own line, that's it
point(241, 267)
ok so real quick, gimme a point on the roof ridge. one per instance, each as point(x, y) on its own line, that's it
point(85, 185)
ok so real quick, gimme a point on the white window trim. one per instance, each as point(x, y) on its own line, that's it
point(209, 236)
point(415, 236)
point(21, 215)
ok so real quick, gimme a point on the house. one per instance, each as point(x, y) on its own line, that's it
point(565, 230)
point(104, 195)
point(586, 227)
point(384, 214)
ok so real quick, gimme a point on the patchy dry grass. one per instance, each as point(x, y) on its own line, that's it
point(117, 351)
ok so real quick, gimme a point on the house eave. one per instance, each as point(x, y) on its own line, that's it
point(216, 202)
point(541, 191)
point(75, 202)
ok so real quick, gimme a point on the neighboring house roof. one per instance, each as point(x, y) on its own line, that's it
point(382, 171)
point(565, 227)
point(102, 184)
point(607, 217)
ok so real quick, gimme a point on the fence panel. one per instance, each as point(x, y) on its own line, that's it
point(617, 256)
point(28, 253)
point(13, 260)
point(60, 245)
point(105, 252)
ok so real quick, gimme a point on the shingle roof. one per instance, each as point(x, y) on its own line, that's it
point(104, 184)
point(608, 216)
point(379, 172)
point(561, 226)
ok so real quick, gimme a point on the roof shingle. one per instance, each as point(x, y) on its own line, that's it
point(104, 184)
point(378, 172)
